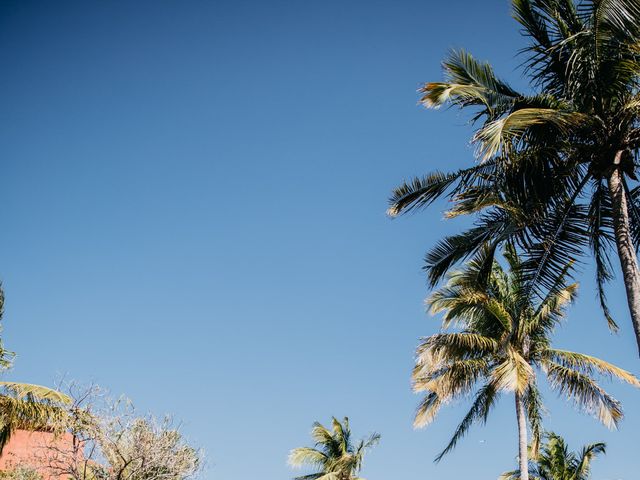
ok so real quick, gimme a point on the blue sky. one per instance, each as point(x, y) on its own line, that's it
point(194, 197)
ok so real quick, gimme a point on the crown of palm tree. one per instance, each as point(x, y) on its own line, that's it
point(496, 338)
point(556, 162)
point(334, 455)
point(556, 462)
point(26, 406)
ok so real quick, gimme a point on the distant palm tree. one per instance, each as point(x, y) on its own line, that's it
point(566, 153)
point(555, 462)
point(334, 455)
point(503, 344)
point(26, 406)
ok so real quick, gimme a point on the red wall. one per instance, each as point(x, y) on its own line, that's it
point(30, 449)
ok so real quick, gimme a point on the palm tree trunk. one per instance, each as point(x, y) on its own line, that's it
point(624, 243)
point(522, 439)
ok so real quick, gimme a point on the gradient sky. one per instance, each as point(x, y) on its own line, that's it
point(194, 199)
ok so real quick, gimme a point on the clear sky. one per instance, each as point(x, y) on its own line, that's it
point(193, 197)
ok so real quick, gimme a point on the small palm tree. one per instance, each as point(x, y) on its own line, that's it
point(503, 344)
point(556, 462)
point(334, 455)
point(26, 406)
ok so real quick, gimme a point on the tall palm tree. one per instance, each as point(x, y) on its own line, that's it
point(501, 343)
point(556, 462)
point(26, 406)
point(566, 152)
point(334, 455)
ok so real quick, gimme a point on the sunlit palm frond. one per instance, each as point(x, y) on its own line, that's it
point(586, 393)
point(448, 382)
point(552, 308)
point(427, 409)
point(501, 133)
point(299, 457)
point(470, 83)
point(321, 435)
point(36, 392)
point(454, 346)
point(513, 374)
point(28, 414)
point(342, 433)
point(588, 365)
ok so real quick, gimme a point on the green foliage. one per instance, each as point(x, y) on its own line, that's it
point(496, 338)
point(545, 155)
point(556, 462)
point(20, 473)
point(334, 455)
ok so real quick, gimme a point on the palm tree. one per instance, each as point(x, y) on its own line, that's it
point(555, 462)
point(334, 455)
point(26, 406)
point(565, 153)
point(502, 343)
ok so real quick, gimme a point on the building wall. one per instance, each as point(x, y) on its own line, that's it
point(42, 451)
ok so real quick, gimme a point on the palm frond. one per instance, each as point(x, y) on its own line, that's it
point(313, 476)
point(588, 453)
point(615, 19)
point(588, 365)
point(601, 242)
point(559, 241)
point(455, 346)
point(552, 309)
point(585, 392)
point(482, 404)
point(490, 230)
point(427, 410)
point(448, 382)
point(469, 83)
point(299, 457)
point(36, 392)
point(535, 411)
point(323, 437)
point(371, 441)
point(513, 374)
point(421, 192)
point(503, 132)
point(27, 414)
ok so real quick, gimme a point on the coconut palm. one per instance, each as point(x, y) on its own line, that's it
point(556, 462)
point(334, 455)
point(497, 339)
point(26, 406)
point(566, 152)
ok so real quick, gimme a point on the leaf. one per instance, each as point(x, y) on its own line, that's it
point(37, 392)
